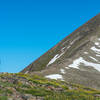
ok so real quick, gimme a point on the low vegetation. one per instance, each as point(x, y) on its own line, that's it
point(31, 87)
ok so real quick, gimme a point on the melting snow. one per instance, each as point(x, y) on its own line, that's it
point(80, 60)
point(55, 58)
point(54, 76)
point(62, 71)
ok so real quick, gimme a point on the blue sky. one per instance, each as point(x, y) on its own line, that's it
point(28, 28)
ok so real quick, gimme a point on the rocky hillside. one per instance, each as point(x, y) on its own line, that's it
point(31, 87)
point(74, 59)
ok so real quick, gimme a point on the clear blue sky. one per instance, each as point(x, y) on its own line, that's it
point(28, 28)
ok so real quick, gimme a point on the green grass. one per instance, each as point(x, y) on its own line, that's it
point(3, 98)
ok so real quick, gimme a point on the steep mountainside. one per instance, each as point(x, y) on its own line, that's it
point(31, 87)
point(74, 59)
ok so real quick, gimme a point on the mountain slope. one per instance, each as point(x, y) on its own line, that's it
point(74, 59)
point(31, 87)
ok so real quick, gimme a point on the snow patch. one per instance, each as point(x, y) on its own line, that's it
point(55, 58)
point(93, 58)
point(99, 39)
point(68, 47)
point(95, 49)
point(62, 71)
point(97, 55)
point(67, 67)
point(54, 76)
point(62, 50)
point(76, 63)
point(85, 52)
point(80, 60)
point(74, 40)
point(97, 43)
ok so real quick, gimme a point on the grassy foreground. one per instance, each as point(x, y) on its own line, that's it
point(31, 87)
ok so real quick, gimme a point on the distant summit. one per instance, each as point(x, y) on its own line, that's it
point(74, 59)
